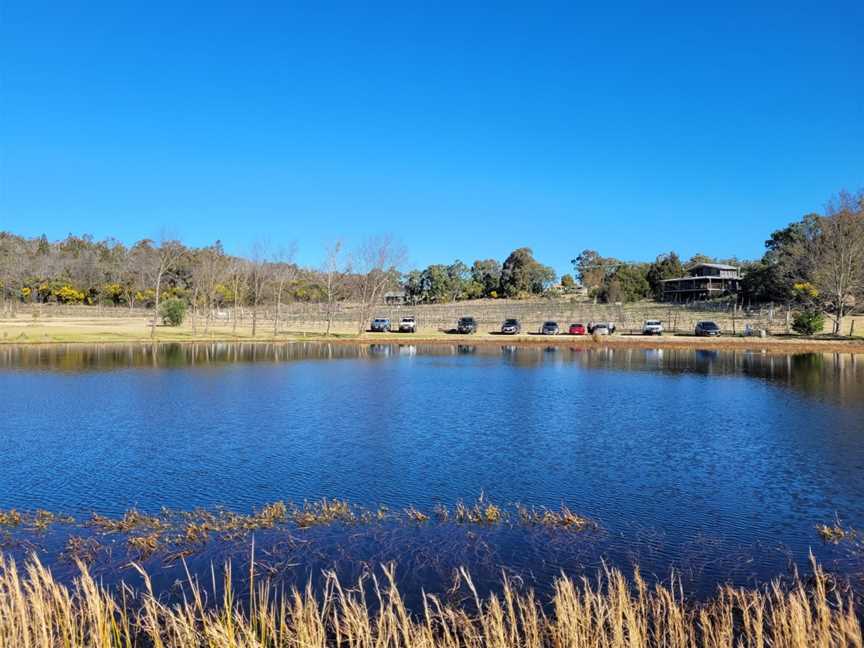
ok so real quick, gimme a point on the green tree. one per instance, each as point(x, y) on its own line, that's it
point(626, 284)
point(523, 274)
point(435, 283)
point(665, 266)
point(788, 260)
point(458, 275)
point(808, 322)
point(592, 269)
point(172, 311)
point(487, 273)
point(413, 286)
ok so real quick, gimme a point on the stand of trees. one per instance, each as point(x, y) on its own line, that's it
point(520, 275)
point(814, 265)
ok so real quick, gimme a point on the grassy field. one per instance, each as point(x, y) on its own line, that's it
point(88, 325)
point(609, 612)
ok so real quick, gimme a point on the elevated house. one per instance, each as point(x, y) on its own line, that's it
point(703, 281)
point(395, 298)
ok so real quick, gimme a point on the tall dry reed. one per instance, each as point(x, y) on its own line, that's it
point(611, 612)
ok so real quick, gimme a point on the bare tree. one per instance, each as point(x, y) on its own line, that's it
point(839, 255)
point(335, 271)
point(284, 272)
point(209, 269)
point(259, 277)
point(378, 261)
point(163, 260)
point(237, 273)
point(12, 253)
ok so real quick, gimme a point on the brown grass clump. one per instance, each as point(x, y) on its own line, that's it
point(416, 516)
point(562, 518)
point(835, 533)
point(11, 518)
point(323, 512)
point(831, 533)
point(132, 520)
point(80, 549)
point(611, 612)
point(38, 521)
point(481, 512)
point(145, 545)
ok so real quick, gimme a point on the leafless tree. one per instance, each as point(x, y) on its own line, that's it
point(334, 273)
point(839, 255)
point(284, 272)
point(238, 271)
point(209, 268)
point(163, 261)
point(11, 255)
point(260, 274)
point(378, 261)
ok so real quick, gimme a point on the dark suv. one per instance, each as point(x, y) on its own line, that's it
point(511, 327)
point(707, 329)
point(380, 325)
point(466, 325)
point(549, 328)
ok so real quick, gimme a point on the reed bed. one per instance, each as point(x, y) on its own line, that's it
point(611, 611)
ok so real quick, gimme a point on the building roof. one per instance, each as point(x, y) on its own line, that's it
point(719, 266)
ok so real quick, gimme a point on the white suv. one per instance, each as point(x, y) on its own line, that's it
point(652, 327)
point(408, 325)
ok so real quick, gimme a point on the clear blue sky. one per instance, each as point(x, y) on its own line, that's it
point(465, 131)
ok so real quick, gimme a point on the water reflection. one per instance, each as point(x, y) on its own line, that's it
point(838, 376)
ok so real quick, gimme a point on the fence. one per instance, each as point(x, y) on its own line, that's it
point(488, 313)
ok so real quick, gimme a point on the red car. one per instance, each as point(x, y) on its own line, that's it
point(577, 329)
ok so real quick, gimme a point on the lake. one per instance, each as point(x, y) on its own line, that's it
point(716, 463)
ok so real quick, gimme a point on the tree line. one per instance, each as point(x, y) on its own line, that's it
point(814, 265)
point(520, 275)
point(81, 270)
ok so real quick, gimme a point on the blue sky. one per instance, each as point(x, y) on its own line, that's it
point(464, 131)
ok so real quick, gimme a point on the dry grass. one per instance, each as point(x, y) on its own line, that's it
point(39, 520)
point(183, 533)
point(562, 518)
point(612, 612)
point(132, 520)
point(481, 512)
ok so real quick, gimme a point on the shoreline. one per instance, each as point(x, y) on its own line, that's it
point(790, 345)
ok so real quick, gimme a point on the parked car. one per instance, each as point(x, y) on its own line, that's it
point(408, 325)
point(652, 327)
point(466, 325)
point(511, 327)
point(608, 326)
point(577, 328)
point(380, 325)
point(549, 328)
point(707, 328)
point(600, 328)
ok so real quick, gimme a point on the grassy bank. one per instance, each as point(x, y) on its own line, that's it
point(38, 611)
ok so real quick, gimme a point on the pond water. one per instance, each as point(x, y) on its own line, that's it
point(728, 457)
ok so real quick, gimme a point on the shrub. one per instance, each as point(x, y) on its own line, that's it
point(808, 322)
point(173, 311)
point(68, 295)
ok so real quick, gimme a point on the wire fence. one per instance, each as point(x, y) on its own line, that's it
point(489, 314)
